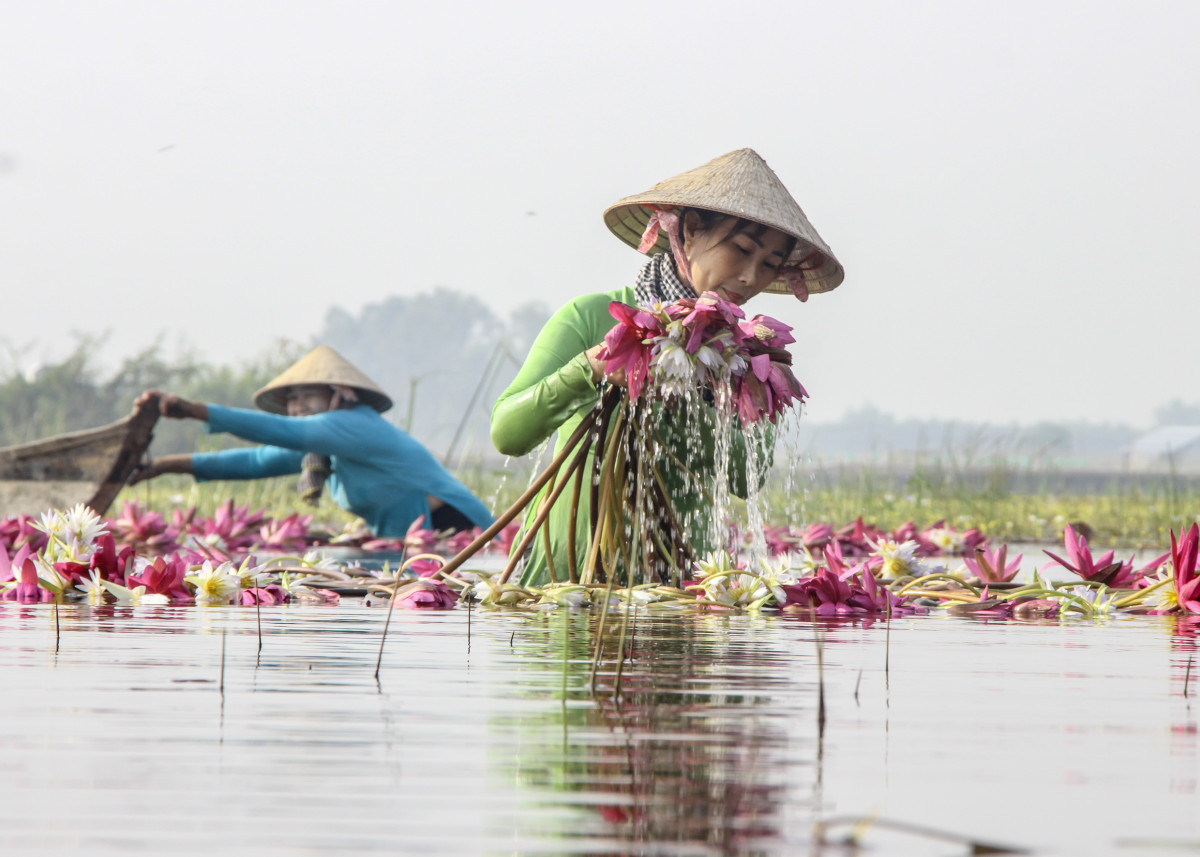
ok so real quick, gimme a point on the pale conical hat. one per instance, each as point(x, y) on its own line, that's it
point(322, 365)
point(741, 184)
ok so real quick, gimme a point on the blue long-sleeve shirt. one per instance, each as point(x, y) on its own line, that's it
point(380, 473)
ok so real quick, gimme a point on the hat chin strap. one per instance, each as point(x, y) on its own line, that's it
point(667, 219)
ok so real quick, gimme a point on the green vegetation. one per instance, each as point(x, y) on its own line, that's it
point(1138, 516)
point(1129, 518)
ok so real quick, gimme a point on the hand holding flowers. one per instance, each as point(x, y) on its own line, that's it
point(704, 342)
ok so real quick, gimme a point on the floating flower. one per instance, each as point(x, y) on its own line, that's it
point(1181, 594)
point(214, 584)
point(92, 588)
point(161, 576)
point(1102, 570)
point(993, 566)
point(425, 594)
point(898, 560)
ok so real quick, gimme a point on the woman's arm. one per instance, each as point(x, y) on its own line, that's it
point(256, 462)
point(557, 380)
point(150, 468)
point(345, 433)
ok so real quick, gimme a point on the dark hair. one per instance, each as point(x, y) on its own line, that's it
point(710, 220)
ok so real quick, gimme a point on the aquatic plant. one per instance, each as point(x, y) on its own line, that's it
point(1179, 589)
point(704, 342)
point(1081, 562)
point(214, 584)
point(993, 566)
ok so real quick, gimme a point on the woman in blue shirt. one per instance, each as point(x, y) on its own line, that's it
point(322, 420)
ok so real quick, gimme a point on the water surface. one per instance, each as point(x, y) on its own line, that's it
point(482, 736)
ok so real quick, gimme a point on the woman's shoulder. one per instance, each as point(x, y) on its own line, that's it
point(596, 303)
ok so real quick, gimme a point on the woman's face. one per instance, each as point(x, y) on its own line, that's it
point(304, 400)
point(737, 265)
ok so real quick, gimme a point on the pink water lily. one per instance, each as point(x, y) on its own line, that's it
point(266, 596)
point(425, 594)
point(142, 529)
point(163, 576)
point(285, 534)
point(1185, 598)
point(993, 566)
point(769, 331)
point(20, 530)
point(1081, 562)
point(627, 346)
point(29, 589)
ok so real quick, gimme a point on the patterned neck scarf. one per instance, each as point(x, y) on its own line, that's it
point(659, 283)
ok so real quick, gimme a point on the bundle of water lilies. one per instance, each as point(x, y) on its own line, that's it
point(691, 370)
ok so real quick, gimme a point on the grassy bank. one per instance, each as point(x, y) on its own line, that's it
point(1123, 516)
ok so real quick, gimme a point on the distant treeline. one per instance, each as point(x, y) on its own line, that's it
point(76, 393)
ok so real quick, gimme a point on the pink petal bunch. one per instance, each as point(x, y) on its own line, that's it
point(852, 592)
point(705, 341)
point(628, 347)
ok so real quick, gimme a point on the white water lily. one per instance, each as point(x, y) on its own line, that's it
point(1100, 599)
point(726, 584)
point(1163, 598)
point(488, 591)
point(564, 595)
point(214, 584)
point(737, 590)
point(136, 595)
point(675, 371)
point(949, 541)
point(899, 559)
point(92, 588)
point(319, 559)
point(71, 534)
point(712, 360)
point(248, 574)
point(48, 576)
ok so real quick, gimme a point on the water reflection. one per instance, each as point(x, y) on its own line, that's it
point(687, 753)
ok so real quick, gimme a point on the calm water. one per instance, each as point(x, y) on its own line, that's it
point(482, 738)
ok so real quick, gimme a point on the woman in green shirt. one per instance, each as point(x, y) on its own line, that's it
point(728, 227)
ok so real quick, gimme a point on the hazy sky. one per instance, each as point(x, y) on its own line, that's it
point(1013, 188)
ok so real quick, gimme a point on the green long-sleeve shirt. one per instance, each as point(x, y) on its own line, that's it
point(554, 390)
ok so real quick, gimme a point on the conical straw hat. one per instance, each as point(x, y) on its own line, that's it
point(741, 184)
point(322, 365)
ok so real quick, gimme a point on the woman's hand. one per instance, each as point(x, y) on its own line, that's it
point(593, 356)
point(149, 468)
point(175, 407)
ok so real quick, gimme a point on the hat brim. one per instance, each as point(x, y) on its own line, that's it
point(274, 399)
point(822, 272)
point(322, 365)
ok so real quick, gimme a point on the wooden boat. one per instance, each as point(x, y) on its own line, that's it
point(89, 466)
